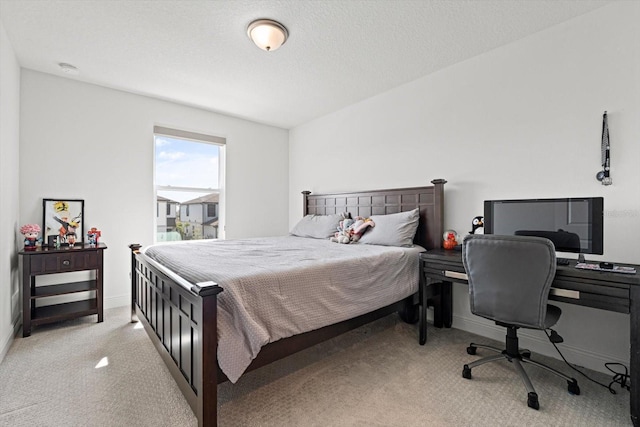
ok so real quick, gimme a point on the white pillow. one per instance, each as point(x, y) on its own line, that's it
point(393, 230)
point(317, 226)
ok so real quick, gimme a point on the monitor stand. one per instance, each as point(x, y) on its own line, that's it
point(581, 258)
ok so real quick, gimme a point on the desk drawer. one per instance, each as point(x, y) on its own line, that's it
point(440, 275)
point(596, 295)
point(444, 271)
point(64, 262)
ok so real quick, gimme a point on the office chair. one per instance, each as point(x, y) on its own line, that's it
point(509, 280)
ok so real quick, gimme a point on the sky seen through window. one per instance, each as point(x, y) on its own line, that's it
point(182, 163)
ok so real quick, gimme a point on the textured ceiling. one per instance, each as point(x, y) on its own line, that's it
point(197, 52)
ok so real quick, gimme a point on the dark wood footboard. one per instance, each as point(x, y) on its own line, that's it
point(182, 324)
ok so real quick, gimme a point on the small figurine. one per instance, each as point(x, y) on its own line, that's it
point(450, 239)
point(53, 241)
point(30, 232)
point(93, 235)
point(477, 225)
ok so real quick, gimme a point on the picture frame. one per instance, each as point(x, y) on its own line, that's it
point(62, 219)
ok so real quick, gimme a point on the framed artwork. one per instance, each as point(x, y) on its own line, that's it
point(63, 219)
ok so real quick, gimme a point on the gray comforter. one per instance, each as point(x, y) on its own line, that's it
point(282, 286)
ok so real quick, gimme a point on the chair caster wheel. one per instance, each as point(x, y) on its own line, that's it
point(526, 354)
point(572, 387)
point(532, 401)
point(466, 372)
point(471, 350)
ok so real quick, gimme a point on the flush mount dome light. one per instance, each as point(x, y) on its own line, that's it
point(267, 34)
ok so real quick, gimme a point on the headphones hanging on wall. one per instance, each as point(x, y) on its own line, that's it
point(604, 175)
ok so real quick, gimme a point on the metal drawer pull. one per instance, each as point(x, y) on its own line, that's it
point(565, 293)
point(66, 263)
point(455, 275)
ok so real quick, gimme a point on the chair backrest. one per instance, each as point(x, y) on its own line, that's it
point(509, 277)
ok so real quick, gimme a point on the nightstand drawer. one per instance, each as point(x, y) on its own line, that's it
point(43, 264)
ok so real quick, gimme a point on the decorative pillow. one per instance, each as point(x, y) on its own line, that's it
point(393, 230)
point(317, 226)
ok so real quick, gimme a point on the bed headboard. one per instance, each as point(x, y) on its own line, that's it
point(430, 201)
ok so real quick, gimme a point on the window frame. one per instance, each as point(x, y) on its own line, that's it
point(196, 137)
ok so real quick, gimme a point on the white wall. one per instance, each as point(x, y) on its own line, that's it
point(9, 139)
point(88, 142)
point(521, 121)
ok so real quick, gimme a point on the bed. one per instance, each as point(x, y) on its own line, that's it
point(181, 316)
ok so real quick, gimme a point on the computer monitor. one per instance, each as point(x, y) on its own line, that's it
point(572, 224)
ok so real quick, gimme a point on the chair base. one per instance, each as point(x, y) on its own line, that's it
point(517, 357)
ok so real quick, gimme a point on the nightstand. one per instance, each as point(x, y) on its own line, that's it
point(51, 261)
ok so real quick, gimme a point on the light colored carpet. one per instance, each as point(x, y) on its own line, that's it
point(376, 375)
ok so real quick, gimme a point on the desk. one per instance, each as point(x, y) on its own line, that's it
point(607, 291)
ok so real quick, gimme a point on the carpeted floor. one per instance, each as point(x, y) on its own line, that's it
point(81, 373)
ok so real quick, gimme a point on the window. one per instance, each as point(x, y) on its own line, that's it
point(212, 210)
point(189, 168)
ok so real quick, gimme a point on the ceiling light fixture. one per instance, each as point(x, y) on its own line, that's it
point(267, 34)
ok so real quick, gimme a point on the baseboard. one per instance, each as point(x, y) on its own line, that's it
point(117, 301)
point(6, 343)
point(8, 340)
point(5, 348)
point(538, 343)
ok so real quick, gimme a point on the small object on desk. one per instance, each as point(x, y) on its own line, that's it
point(477, 225)
point(450, 239)
point(606, 265)
point(613, 269)
point(562, 261)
